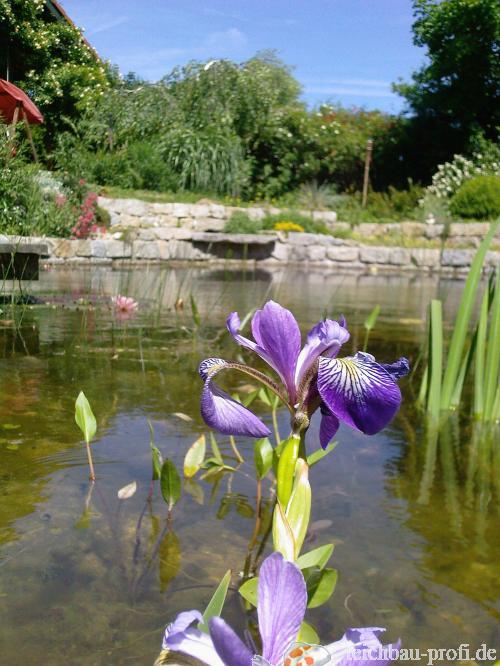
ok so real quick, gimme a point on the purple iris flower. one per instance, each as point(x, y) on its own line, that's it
point(281, 606)
point(354, 389)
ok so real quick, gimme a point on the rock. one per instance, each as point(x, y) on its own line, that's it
point(255, 213)
point(98, 249)
point(116, 249)
point(328, 216)
point(207, 224)
point(181, 210)
point(217, 211)
point(65, 249)
point(83, 248)
point(412, 229)
point(493, 259)
point(426, 257)
point(316, 252)
point(145, 250)
point(163, 249)
point(133, 207)
point(200, 210)
point(147, 234)
point(399, 256)
point(434, 230)
point(302, 239)
point(162, 209)
point(457, 257)
point(375, 254)
point(368, 230)
point(343, 253)
point(170, 233)
point(281, 251)
point(236, 239)
point(184, 251)
point(479, 229)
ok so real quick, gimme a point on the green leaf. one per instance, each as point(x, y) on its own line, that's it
point(216, 603)
point(371, 320)
point(215, 449)
point(156, 457)
point(249, 590)
point(319, 454)
point(435, 359)
point(286, 468)
point(169, 559)
point(463, 318)
point(298, 510)
point(283, 539)
point(316, 558)
point(84, 417)
point(263, 457)
point(492, 366)
point(195, 490)
point(195, 311)
point(194, 457)
point(170, 483)
point(320, 586)
point(264, 397)
point(308, 634)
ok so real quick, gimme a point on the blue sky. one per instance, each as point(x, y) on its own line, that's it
point(342, 50)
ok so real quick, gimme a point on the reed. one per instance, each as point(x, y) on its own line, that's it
point(445, 375)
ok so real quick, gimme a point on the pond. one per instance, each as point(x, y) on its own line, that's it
point(415, 527)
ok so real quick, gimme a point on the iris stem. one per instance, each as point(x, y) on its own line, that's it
point(275, 425)
point(91, 464)
point(256, 529)
point(236, 452)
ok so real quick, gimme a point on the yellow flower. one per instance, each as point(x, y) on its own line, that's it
point(285, 225)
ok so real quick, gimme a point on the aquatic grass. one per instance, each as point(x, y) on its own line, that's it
point(443, 379)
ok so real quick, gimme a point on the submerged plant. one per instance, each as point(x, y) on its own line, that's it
point(356, 390)
point(281, 606)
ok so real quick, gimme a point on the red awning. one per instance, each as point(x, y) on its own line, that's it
point(10, 97)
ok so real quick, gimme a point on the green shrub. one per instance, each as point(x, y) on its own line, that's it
point(477, 198)
point(25, 209)
point(240, 223)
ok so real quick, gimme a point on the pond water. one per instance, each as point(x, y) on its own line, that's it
point(415, 525)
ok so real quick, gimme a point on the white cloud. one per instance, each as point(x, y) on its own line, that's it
point(230, 37)
point(109, 25)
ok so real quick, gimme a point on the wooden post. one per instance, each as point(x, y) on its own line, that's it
point(366, 178)
point(28, 132)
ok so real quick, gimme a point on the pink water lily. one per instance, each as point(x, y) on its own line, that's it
point(124, 304)
point(356, 389)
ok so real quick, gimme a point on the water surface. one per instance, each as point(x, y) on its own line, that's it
point(415, 524)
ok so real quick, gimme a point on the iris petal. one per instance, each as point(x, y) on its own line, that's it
point(278, 332)
point(281, 605)
point(222, 413)
point(277, 340)
point(328, 426)
point(362, 647)
point(359, 391)
point(324, 339)
point(183, 636)
point(229, 646)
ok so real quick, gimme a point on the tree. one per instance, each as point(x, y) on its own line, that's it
point(456, 91)
point(45, 54)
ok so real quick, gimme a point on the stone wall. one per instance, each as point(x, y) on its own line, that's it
point(148, 232)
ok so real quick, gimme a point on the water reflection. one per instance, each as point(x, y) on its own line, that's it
point(414, 516)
